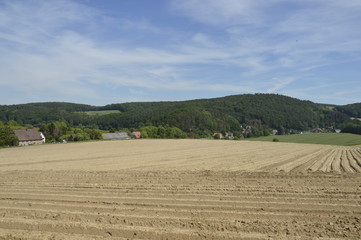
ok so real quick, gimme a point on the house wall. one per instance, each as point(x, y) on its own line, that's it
point(27, 143)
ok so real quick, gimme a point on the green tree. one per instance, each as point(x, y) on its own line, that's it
point(174, 132)
point(54, 130)
point(94, 134)
point(7, 137)
point(162, 132)
point(149, 131)
point(12, 123)
point(352, 128)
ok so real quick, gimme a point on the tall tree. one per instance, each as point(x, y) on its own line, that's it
point(7, 137)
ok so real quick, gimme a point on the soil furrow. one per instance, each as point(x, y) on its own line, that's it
point(180, 190)
point(234, 199)
point(125, 231)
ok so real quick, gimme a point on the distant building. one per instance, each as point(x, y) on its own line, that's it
point(247, 130)
point(215, 135)
point(115, 136)
point(229, 135)
point(29, 136)
point(317, 130)
point(72, 137)
point(136, 135)
point(274, 132)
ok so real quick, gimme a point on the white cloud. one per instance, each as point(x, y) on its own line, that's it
point(203, 39)
point(311, 27)
point(279, 84)
point(217, 12)
point(74, 59)
point(65, 43)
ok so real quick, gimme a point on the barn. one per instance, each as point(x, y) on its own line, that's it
point(29, 137)
point(115, 136)
point(136, 135)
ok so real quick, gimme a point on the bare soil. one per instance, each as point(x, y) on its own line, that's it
point(180, 189)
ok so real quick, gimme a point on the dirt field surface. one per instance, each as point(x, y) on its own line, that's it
point(180, 189)
point(193, 155)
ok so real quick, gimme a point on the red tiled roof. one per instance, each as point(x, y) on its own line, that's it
point(136, 134)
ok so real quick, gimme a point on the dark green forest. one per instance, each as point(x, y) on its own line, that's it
point(245, 115)
point(353, 110)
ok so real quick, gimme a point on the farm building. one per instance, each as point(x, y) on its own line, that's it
point(29, 137)
point(136, 135)
point(217, 135)
point(229, 135)
point(317, 130)
point(115, 136)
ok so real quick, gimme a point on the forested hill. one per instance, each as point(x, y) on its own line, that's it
point(261, 112)
point(352, 110)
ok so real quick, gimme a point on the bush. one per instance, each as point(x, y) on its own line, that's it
point(7, 137)
point(217, 136)
point(162, 132)
point(355, 129)
point(275, 140)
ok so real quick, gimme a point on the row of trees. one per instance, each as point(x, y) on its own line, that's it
point(59, 131)
point(352, 110)
point(162, 132)
point(197, 118)
point(352, 128)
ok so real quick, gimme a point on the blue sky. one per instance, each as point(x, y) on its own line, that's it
point(108, 51)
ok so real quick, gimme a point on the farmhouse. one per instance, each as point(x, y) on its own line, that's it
point(317, 130)
point(29, 136)
point(217, 135)
point(247, 130)
point(136, 135)
point(274, 132)
point(229, 135)
point(115, 136)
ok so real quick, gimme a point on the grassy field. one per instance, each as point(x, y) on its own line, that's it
point(340, 139)
point(100, 113)
point(356, 119)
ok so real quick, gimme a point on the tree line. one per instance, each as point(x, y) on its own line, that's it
point(248, 115)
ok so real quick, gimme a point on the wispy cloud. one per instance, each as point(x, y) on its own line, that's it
point(222, 13)
point(280, 83)
point(57, 59)
point(72, 50)
point(281, 37)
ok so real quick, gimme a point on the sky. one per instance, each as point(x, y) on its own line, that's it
point(100, 52)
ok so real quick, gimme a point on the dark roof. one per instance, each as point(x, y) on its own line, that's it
point(114, 136)
point(28, 134)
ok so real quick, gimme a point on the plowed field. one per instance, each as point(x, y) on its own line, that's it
point(180, 189)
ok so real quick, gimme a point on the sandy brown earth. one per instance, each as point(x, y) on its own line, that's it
point(180, 189)
point(193, 155)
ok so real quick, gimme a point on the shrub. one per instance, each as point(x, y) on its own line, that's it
point(7, 137)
